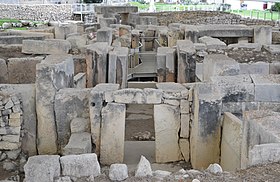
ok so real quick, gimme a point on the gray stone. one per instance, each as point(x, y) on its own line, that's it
point(143, 168)
point(130, 96)
point(118, 172)
point(9, 104)
point(6, 25)
point(79, 125)
point(79, 143)
point(264, 153)
point(171, 90)
point(161, 174)
point(213, 43)
point(215, 168)
point(9, 166)
point(44, 168)
point(251, 46)
point(3, 71)
point(104, 35)
point(84, 165)
point(263, 35)
point(63, 179)
point(77, 42)
point(185, 148)
point(254, 68)
point(273, 49)
point(13, 154)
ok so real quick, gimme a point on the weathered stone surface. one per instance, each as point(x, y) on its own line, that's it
point(273, 49)
point(84, 165)
point(3, 72)
point(104, 35)
point(77, 42)
point(185, 126)
point(171, 90)
point(160, 174)
point(143, 168)
point(264, 153)
point(79, 125)
point(61, 30)
point(4, 145)
point(274, 68)
point(46, 46)
point(153, 96)
point(43, 168)
point(252, 46)
point(167, 125)
point(69, 105)
point(263, 35)
point(219, 65)
point(80, 80)
point(185, 148)
point(118, 172)
point(212, 43)
point(215, 168)
point(112, 133)
point(254, 68)
point(267, 87)
point(79, 143)
point(231, 143)
point(130, 96)
point(53, 73)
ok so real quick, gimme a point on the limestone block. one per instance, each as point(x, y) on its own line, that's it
point(71, 104)
point(43, 168)
point(3, 72)
point(263, 35)
point(143, 168)
point(106, 22)
point(11, 138)
point(4, 145)
point(205, 130)
point(267, 87)
point(231, 143)
point(274, 68)
point(79, 125)
point(112, 133)
point(254, 68)
point(77, 41)
point(273, 49)
point(212, 43)
point(171, 90)
point(53, 73)
point(79, 143)
point(84, 165)
point(171, 102)
point(275, 37)
point(153, 96)
point(186, 61)
point(26, 75)
point(16, 122)
point(200, 46)
point(118, 172)
point(264, 153)
point(184, 106)
point(63, 29)
point(251, 46)
point(130, 96)
point(185, 148)
point(175, 34)
point(104, 35)
point(96, 60)
point(166, 63)
point(80, 80)
point(219, 65)
point(185, 126)
point(167, 125)
point(215, 168)
point(50, 46)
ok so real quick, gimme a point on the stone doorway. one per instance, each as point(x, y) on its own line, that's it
point(139, 133)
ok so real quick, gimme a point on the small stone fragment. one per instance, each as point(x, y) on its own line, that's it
point(143, 168)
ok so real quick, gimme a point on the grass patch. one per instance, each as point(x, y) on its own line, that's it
point(8, 21)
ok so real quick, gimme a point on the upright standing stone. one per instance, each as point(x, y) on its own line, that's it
point(263, 35)
point(96, 59)
point(53, 73)
point(112, 134)
point(186, 61)
point(167, 125)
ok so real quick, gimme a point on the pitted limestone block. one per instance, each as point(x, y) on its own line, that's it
point(72, 113)
point(263, 35)
point(231, 143)
point(185, 148)
point(153, 96)
point(43, 168)
point(52, 74)
point(84, 165)
point(219, 65)
point(273, 49)
point(79, 125)
point(79, 143)
point(185, 126)
point(167, 125)
point(251, 46)
point(254, 68)
point(213, 43)
point(235, 88)
point(130, 96)
point(112, 133)
point(118, 172)
point(171, 90)
point(264, 154)
point(3, 72)
point(104, 35)
point(51, 46)
point(267, 87)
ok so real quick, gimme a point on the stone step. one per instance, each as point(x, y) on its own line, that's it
point(79, 143)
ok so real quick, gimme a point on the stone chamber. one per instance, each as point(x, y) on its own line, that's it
point(202, 92)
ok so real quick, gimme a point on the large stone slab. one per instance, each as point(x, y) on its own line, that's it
point(186, 61)
point(78, 166)
point(52, 74)
point(231, 143)
point(172, 90)
point(43, 168)
point(273, 49)
point(112, 134)
point(69, 104)
point(263, 35)
point(267, 87)
point(254, 68)
point(167, 125)
point(79, 143)
point(212, 43)
point(166, 64)
point(219, 65)
point(50, 46)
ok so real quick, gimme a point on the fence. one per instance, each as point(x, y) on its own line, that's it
point(260, 15)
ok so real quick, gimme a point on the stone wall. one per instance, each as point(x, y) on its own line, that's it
point(36, 12)
point(204, 17)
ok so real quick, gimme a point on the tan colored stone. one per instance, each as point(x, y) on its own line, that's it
point(185, 126)
point(185, 148)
